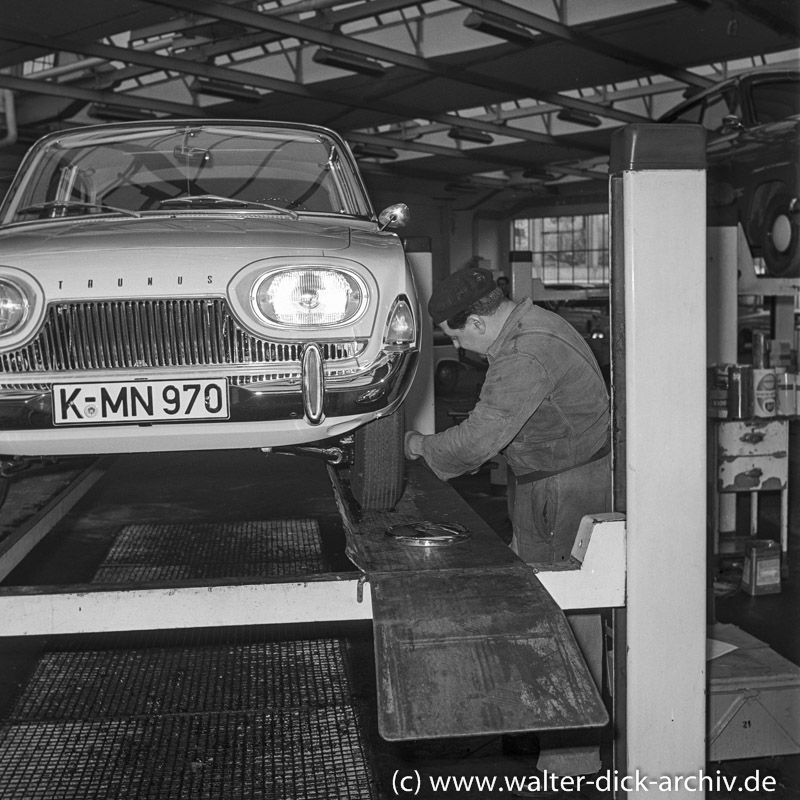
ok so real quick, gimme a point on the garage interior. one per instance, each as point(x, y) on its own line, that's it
point(494, 121)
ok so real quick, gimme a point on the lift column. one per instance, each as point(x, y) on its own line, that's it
point(658, 229)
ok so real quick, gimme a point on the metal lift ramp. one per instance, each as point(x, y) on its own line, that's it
point(467, 640)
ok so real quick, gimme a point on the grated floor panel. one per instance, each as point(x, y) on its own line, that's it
point(101, 684)
point(313, 754)
point(250, 716)
point(201, 550)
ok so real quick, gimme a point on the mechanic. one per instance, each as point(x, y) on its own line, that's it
point(543, 404)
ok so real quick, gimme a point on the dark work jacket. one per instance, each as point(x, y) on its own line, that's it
point(543, 403)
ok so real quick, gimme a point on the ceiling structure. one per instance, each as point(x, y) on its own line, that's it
point(500, 102)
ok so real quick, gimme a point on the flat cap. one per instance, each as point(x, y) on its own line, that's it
point(458, 291)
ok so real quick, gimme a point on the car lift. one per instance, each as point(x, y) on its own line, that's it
point(731, 273)
point(648, 565)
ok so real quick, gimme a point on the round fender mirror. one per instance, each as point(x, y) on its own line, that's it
point(396, 216)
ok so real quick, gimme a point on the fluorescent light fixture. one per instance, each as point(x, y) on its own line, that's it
point(227, 89)
point(579, 117)
point(500, 27)
point(538, 174)
point(461, 188)
point(361, 150)
point(470, 135)
point(115, 113)
point(692, 91)
point(349, 61)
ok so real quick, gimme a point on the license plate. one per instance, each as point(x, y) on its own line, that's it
point(139, 401)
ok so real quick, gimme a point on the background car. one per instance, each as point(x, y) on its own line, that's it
point(753, 125)
point(187, 285)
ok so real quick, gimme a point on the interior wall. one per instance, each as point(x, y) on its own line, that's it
point(429, 220)
point(478, 234)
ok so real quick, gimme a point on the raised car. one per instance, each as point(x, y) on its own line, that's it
point(753, 126)
point(196, 285)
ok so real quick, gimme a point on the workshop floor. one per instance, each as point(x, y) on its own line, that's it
point(212, 488)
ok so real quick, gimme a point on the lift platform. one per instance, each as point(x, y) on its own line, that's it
point(467, 641)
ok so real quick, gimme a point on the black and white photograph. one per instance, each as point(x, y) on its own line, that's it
point(399, 399)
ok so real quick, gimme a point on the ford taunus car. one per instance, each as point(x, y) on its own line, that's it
point(753, 125)
point(184, 285)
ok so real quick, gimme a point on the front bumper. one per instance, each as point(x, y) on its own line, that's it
point(261, 415)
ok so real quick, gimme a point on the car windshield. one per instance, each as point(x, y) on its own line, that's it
point(170, 168)
point(775, 100)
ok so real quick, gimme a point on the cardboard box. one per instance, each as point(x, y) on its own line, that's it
point(753, 699)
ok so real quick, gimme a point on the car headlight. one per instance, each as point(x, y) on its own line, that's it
point(13, 306)
point(310, 296)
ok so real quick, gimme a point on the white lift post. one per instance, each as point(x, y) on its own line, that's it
point(658, 225)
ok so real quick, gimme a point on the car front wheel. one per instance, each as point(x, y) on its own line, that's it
point(781, 231)
point(377, 475)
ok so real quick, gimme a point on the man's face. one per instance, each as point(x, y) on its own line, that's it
point(472, 336)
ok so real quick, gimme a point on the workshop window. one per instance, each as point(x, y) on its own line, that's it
point(569, 249)
point(39, 64)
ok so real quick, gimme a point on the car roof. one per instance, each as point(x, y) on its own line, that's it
point(204, 122)
point(751, 76)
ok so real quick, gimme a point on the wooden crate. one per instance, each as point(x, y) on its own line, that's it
point(754, 700)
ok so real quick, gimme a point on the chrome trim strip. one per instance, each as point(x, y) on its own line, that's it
point(349, 370)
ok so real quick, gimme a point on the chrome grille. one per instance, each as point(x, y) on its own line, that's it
point(125, 334)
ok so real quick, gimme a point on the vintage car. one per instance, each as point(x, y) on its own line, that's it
point(753, 127)
point(198, 285)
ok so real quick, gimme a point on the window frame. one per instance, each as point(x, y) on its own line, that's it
point(559, 264)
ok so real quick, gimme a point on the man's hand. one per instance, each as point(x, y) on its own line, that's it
point(413, 440)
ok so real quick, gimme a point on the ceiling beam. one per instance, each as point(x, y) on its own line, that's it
point(152, 61)
point(788, 28)
point(64, 90)
point(456, 73)
point(479, 154)
point(184, 66)
point(558, 31)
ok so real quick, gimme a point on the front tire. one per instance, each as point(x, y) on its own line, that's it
point(377, 476)
point(780, 235)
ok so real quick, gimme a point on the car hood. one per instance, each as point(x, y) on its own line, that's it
point(763, 142)
point(187, 255)
point(228, 232)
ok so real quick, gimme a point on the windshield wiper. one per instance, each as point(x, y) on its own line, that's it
point(76, 204)
point(217, 200)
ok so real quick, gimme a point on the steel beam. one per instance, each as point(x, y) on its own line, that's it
point(28, 611)
point(369, 50)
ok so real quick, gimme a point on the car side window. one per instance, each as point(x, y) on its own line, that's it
point(774, 101)
point(690, 114)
